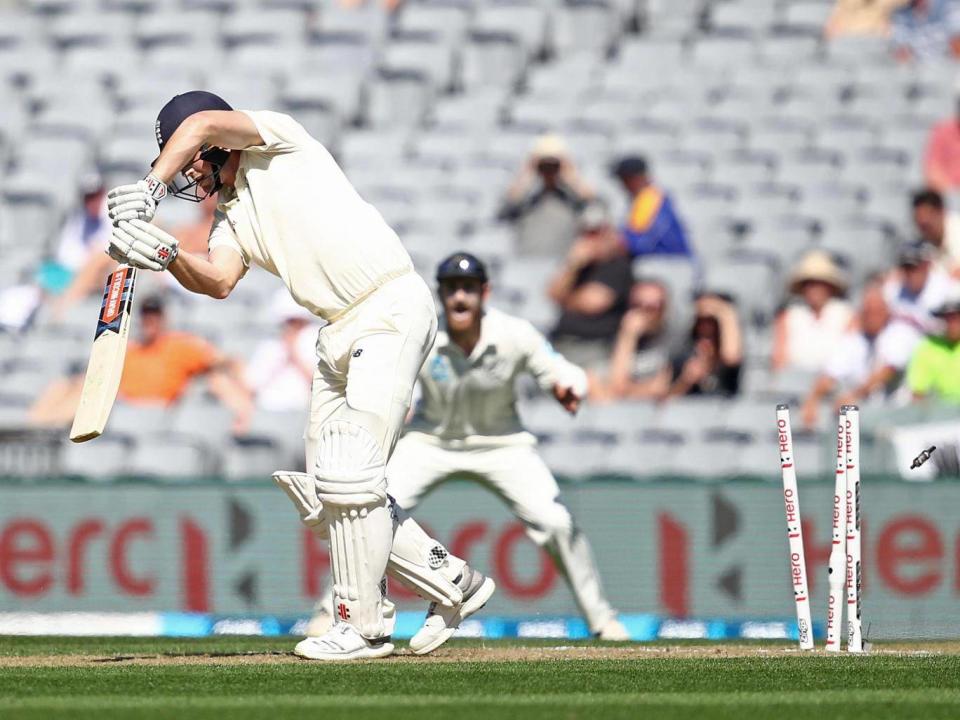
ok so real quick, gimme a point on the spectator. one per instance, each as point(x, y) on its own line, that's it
point(592, 288)
point(640, 365)
point(868, 359)
point(941, 158)
point(917, 287)
point(652, 226)
point(157, 370)
point(861, 17)
point(935, 366)
point(545, 200)
point(805, 332)
point(161, 363)
point(925, 30)
point(711, 363)
point(80, 259)
point(280, 371)
point(939, 227)
point(86, 229)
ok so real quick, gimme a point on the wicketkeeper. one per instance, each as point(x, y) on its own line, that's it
point(285, 205)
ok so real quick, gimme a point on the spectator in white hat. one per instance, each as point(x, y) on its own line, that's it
point(869, 360)
point(545, 200)
point(808, 329)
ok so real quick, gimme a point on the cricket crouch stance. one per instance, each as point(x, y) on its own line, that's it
point(285, 205)
point(467, 422)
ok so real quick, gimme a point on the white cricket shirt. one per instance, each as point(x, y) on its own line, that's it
point(472, 400)
point(294, 213)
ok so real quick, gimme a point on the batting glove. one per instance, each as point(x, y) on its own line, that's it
point(136, 202)
point(142, 245)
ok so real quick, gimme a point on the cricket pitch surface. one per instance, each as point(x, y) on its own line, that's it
point(258, 677)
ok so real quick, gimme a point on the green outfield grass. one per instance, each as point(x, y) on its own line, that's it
point(230, 678)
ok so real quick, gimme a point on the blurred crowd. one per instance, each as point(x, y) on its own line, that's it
point(894, 335)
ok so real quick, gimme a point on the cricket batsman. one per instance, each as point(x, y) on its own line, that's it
point(285, 205)
point(466, 422)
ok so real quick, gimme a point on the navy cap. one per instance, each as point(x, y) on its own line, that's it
point(181, 107)
point(152, 304)
point(462, 265)
point(630, 166)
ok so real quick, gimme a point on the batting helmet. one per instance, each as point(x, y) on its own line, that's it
point(171, 116)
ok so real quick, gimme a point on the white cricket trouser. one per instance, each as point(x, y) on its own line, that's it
point(519, 476)
point(367, 364)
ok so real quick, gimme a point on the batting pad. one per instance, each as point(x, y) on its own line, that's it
point(360, 539)
point(422, 564)
point(350, 466)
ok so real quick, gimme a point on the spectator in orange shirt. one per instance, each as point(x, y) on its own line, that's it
point(161, 363)
point(157, 370)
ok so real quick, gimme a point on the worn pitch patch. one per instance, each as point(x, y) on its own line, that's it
point(454, 654)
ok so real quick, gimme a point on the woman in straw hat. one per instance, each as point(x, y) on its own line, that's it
point(807, 330)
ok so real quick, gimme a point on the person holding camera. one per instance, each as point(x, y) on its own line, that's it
point(545, 200)
point(710, 364)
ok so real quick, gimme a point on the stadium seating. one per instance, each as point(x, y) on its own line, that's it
point(769, 138)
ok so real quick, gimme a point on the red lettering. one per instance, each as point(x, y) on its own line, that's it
point(316, 563)
point(817, 556)
point(956, 561)
point(127, 581)
point(195, 578)
point(795, 569)
point(790, 505)
point(674, 570)
point(503, 561)
point(26, 554)
point(80, 537)
point(909, 553)
point(466, 537)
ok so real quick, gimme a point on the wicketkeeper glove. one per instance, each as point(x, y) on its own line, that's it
point(142, 245)
point(136, 202)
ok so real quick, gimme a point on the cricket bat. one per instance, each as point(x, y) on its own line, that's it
point(102, 380)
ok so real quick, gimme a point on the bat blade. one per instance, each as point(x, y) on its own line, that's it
point(105, 367)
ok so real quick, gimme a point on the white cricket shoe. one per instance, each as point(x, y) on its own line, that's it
point(614, 631)
point(442, 622)
point(323, 619)
point(343, 642)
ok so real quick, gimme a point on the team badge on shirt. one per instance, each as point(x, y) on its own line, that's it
point(440, 369)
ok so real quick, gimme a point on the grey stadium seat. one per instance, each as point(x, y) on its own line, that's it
point(526, 21)
point(398, 99)
point(106, 457)
point(324, 93)
point(449, 21)
point(741, 17)
point(751, 281)
point(493, 59)
point(182, 29)
point(277, 27)
point(172, 457)
point(205, 421)
point(253, 461)
point(589, 26)
point(718, 51)
point(431, 58)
